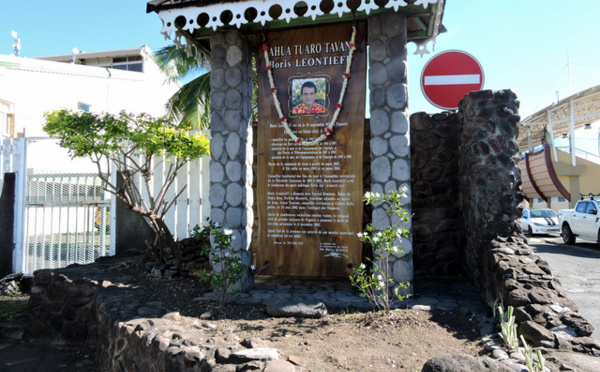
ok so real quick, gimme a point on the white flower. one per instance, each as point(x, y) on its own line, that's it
point(368, 194)
point(395, 249)
point(375, 239)
point(380, 234)
point(363, 266)
point(227, 231)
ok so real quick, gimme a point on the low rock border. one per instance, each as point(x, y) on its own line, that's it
point(545, 315)
point(89, 306)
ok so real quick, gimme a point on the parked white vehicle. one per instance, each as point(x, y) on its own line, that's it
point(581, 222)
point(539, 221)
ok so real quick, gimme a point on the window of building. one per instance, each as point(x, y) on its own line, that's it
point(7, 120)
point(131, 63)
point(4, 124)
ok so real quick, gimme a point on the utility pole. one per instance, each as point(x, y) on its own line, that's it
point(569, 72)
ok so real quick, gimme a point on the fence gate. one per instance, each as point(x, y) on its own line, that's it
point(66, 220)
point(62, 215)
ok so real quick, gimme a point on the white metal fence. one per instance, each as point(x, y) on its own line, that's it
point(62, 215)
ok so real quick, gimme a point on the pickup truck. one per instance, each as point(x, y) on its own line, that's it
point(581, 222)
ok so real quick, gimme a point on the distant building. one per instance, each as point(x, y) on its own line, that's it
point(110, 81)
point(555, 176)
point(57, 198)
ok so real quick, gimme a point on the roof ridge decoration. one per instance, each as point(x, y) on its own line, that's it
point(262, 7)
point(211, 15)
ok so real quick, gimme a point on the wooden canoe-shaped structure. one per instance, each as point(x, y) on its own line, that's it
point(538, 176)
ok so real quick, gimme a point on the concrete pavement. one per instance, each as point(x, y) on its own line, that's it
point(578, 269)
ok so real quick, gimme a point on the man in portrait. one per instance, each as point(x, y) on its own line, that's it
point(308, 104)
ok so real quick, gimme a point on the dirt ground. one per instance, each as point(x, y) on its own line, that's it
point(364, 342)
point(344, 340)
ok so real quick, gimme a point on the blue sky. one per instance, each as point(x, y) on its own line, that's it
point(54, 27)
point(521, 45)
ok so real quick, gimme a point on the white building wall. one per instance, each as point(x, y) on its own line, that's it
point(35, 87)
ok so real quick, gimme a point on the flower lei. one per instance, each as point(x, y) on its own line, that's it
point(338, 107)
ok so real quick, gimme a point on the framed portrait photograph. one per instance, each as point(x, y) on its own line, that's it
point(309, 95)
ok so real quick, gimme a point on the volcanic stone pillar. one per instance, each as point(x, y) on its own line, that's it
point(231, 151)
point(489, 175)
point(390, 148)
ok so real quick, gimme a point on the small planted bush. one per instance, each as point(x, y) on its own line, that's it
point(373, 277)
point(227, 267)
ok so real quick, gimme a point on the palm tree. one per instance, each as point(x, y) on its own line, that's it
point(192, 102)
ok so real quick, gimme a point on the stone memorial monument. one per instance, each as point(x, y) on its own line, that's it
point(313, 83)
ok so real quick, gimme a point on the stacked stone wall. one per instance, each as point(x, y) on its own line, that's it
point(465, 183)
point(497, 256)
point(490, 178)
point(96, 306)
point(437, 221)
point(511, 272)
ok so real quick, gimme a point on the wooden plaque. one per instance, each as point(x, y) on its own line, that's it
point(310, 197)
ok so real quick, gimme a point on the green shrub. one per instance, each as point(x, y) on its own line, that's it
point(373, 278)
point(227, 267)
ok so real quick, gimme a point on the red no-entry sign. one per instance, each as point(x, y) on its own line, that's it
point(448, 76)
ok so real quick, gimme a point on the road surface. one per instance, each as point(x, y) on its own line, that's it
point(578, 269)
